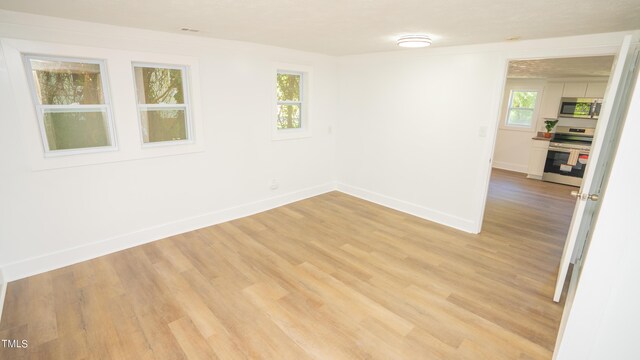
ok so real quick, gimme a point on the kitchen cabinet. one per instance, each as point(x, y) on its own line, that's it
point(537, 158)
point(591, 89)
point(595, 89)
point(574, 89)
point(551, 100)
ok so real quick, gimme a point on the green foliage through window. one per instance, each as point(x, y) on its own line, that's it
point(289, 95)
point(67, 83)
point(159, 85)
point(70, 102)
point(161, 103)
point(76, 130)
point(521, 107)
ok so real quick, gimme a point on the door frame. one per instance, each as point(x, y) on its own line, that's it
point(603, 50)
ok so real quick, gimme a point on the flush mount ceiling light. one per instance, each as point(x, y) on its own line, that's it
point(414, 41)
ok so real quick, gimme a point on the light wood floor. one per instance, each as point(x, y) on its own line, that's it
point(331, 277)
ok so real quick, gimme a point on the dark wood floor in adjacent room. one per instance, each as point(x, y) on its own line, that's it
point(331, 277)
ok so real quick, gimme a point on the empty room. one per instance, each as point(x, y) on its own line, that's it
point(319, 179)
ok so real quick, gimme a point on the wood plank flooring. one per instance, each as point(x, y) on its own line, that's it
point(331, 277)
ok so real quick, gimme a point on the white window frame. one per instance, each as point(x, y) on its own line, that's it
point(304, 130)
point(186, 106)
point(534, 111)
point(40, 108)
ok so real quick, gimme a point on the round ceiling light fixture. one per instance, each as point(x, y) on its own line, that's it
point(414, 41)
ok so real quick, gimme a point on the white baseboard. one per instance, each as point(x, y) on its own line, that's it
point(410, 208)
point(55, 260)
point(3, 292)
point(511, 166)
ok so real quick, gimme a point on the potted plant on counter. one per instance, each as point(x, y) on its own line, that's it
point(549, 124)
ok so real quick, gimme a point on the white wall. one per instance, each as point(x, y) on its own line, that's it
point(409, 125)
point(417, 128)
point(49, 218)
point(3, 291)
point(603, 321)
point(513, 145)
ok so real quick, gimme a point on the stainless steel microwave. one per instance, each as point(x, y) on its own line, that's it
point(581, 108)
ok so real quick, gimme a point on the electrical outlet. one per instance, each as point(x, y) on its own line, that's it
point(274, 184)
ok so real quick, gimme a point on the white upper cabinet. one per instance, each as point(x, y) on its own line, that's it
point(596, 89)
point(574, 89)
point(584, 89)
point(553, 92)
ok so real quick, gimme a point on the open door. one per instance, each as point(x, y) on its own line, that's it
point(614, 108)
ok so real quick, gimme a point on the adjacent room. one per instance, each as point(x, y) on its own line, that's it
point(534, 93)
point(549, 115)
point(319, 180)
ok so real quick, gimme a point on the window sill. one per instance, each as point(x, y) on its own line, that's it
point(517, 128)
point(290, 134)
point(79, 151)
point(60, 162)
point(159, 144)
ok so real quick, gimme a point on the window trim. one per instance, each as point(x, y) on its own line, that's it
point(41, 108)
point(304, 130)
point(534, 111)
point(186, 105)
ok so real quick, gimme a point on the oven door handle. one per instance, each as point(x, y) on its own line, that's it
point(567, 150)
point(559, 149)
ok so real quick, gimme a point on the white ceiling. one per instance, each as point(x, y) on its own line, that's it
point(341, 27)
point(562, 67)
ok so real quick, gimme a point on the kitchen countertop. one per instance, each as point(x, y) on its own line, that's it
point(540, 136)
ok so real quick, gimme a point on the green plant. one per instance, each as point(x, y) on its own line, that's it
point(550, 124)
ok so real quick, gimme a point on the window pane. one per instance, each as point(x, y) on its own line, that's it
point(289, 87)
point(159, 85)
point(288, 116)
point(66, 82)
point(520, 117)
point(76, 129)
point(163, 125)
point(524, 99)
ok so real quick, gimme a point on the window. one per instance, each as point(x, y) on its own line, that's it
point(162, 103)
point(522, 105)
point(289, 93)
point(71, 104)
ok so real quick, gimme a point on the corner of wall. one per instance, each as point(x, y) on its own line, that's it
point(410, 208)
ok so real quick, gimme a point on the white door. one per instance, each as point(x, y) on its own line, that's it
point(614, 107)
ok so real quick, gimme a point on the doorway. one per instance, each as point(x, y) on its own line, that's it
point(540, 212)
point(614, 107)
point(548, 149)
point(533, 94)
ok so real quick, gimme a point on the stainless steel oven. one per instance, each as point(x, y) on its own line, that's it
point(568, 155)
point(558, 169)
